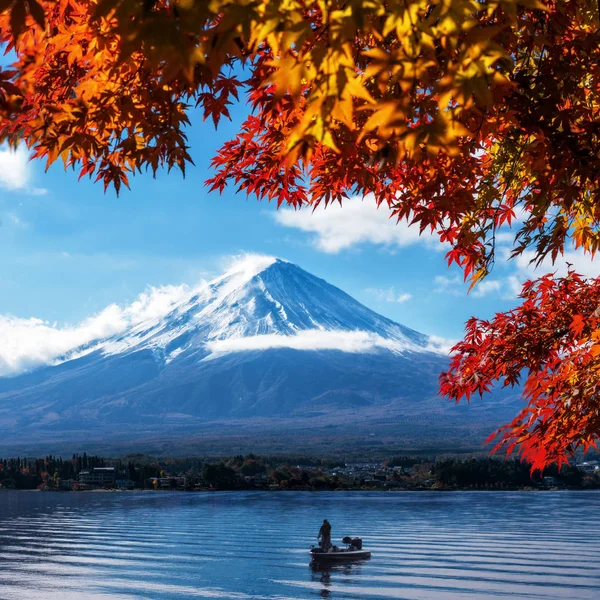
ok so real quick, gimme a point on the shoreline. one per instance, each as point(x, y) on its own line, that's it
point(315, 491)
point(83, 473)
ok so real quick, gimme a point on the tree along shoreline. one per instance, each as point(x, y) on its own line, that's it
point(83, 473)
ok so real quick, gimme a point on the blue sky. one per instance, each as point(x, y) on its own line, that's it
point(69, 249)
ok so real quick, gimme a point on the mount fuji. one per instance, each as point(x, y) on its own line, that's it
point(265, 352)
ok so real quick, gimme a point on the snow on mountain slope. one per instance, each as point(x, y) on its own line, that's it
point(264, 302)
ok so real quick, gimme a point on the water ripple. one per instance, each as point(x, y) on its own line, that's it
point(253, 546)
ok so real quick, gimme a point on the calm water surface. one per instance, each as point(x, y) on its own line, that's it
point(253, 545)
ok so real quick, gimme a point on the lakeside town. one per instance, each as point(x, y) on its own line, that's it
point(140, 472)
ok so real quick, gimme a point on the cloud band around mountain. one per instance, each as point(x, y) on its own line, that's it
point(316, 339)
point(312, 339)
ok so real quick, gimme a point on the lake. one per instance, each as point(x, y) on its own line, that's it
point(253, 545)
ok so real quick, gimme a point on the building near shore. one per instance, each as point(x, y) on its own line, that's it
point(98, 477)
point(590, 466)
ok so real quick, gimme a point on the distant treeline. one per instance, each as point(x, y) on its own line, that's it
point(31, 473)
point(299, 472)
point(511, 473)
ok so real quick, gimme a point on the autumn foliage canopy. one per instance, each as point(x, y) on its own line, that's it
point(462, 117)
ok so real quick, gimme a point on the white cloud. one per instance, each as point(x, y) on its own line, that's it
point(514, 285)
point(247, 264)
point(449, 285)
point(510, 287)
point(487, 286)
point(14, 168)
point(507, 288)
point(15, 171)
point(522, 268)
point(389, 295)
point(441, 345)
point(155, 303)
point(317, 339)
point(358, 221)
point(312, 339)
point(505, 237)
point(582, 263)
point(29, 343)
point(13, 219)
point(455, 286)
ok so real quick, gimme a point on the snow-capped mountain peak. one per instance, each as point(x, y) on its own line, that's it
point(263, 302)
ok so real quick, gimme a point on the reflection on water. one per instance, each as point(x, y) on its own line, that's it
point(326, 575)
point(254, 545)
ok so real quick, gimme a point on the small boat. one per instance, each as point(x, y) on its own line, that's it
point(353, 550)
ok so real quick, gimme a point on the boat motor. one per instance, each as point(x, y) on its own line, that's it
point(354, 542)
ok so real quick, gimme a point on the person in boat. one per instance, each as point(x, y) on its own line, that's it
point(325, 535)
